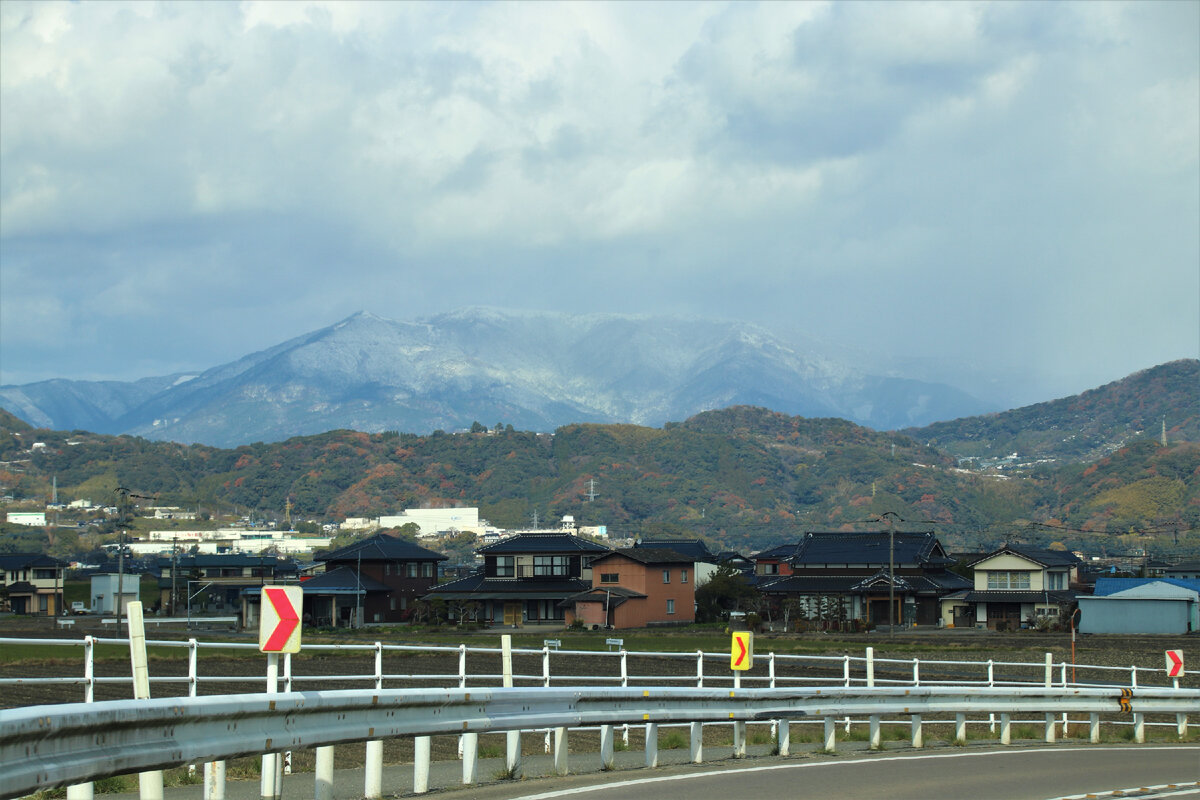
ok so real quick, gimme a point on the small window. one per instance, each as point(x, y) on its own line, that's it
point(666, 576)
point(683, 576)
point(412, 569)
point(427, 569)
point(670, 606)
point(610, 577)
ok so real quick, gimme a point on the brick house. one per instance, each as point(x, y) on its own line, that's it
point(377, 578)
point(636, 587)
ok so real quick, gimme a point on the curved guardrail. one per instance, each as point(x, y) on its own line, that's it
point(43, 747)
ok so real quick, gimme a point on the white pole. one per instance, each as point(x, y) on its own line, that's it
point(512, 756)
point(150, 783)
point(85, 791)
point(324, 773)
point(268, 782)
point(421, 752)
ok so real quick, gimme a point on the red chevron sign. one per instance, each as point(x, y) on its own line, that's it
point(1174, 663)
point(741, 653)
point(279, 625)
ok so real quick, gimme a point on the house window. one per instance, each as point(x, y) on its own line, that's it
point(1056, 580)
point(683, 576)
point(670, 606)
point(666, 576)
point(610, 577)
point(544, 566)
point(427, 569)
point(768, 569)
point(505, 566)
point(1008, 580)
point(393, 602)
point(412, 569)
point(387, 569)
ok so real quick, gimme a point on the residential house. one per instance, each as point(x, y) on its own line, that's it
point(837, 578)
point(636, 587)
point(1012, 587)
point(216, 583)
point(1186, 570)
point(373, 580)
point(31, 583)
point(524, 578)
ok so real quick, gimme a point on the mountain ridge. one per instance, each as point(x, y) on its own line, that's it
point(535, 370)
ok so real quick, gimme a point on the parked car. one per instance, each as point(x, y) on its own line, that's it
point(78, 607)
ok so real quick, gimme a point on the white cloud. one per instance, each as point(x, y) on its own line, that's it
point(716, 157)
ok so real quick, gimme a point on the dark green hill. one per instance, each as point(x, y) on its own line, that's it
point(1084, 427)
point(742, 478)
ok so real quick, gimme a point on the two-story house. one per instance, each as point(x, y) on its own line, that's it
point(376, 579)
point(637, 587)
point(525, 577)
point(839, 577)
point(1013, 587)
point(31, 583)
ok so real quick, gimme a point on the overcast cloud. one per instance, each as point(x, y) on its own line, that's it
point(1010, 186)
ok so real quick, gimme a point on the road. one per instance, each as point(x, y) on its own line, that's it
point(1009, 774)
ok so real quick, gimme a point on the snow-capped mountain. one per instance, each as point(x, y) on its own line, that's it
point(536, 371)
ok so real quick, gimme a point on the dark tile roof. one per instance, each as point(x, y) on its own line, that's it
point(480, 587)
point(870, 549)
point(1000, 596)
point(381, 547)
point(1045, 558)
point(612, 597)
point(694, 549)
point(938, 584)
point(542, 543)
point(647, 555)
point(780, 552)
point(342, 580)
point(11, 561)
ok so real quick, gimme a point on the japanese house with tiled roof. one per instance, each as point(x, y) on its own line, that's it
point(1013, 586)
point(837, 578)
point(524, 578)
point(31, 583)
point(636, 587)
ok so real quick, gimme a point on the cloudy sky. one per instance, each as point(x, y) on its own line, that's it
point(1011, 187)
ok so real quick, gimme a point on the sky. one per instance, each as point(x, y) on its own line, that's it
point(1006, 189)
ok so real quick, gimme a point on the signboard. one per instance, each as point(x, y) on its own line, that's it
point(279, 622)
point(1174, 663)
point(741, 654)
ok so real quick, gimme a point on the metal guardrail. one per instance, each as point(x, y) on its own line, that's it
point(43, 747)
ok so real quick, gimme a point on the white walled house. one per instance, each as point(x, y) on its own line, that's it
point(34, 519)
point(1012, 587)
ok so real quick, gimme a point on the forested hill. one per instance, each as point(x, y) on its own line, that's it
point(1083, 427)
point(743, 478)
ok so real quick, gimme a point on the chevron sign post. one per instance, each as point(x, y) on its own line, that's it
point(1174, 663)
point(279, 623)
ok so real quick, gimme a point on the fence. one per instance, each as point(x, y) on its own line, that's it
point(957, 692)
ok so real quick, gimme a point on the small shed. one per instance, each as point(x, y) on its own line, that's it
point(1154, 607)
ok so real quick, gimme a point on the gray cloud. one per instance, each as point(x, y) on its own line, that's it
point(1011, 186)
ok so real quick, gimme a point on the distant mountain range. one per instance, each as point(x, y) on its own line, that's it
point(535, 371)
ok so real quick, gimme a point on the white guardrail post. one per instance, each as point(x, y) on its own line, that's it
point(512, 738)
point(85, 791)
point(373, 769)
point(150, 782)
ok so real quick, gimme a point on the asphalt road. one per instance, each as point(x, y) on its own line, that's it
point(1008, 774)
